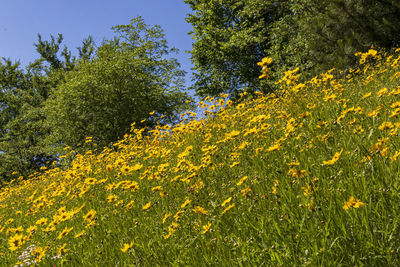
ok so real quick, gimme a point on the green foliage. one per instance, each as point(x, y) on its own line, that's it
point(23, 130)
point(127, 78)
point(21, 120)
point(319, 35)
point(309, 176)
point(230, 38)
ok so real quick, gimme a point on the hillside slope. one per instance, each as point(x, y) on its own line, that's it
point(306, 176)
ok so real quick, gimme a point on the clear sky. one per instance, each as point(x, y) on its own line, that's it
point(22, 20)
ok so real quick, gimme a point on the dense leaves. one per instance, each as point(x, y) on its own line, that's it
point(21, 119)
point(319, 35)
point(231, 36)
point(129, 77)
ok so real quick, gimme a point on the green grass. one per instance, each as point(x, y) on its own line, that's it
point(259, 191)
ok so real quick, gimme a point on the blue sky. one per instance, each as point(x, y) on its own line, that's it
point(22, 20)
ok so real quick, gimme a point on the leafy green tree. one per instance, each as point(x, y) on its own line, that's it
point(128, 77)
point(21, 121)
point(23, 130)
point(230, 36)
point(319, 35)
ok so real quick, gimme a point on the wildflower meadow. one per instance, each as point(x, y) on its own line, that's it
point(307, 175)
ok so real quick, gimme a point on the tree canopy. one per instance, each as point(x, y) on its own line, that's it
point(128, 78)
point(231, 36)
point(23, 92)
point(60, 99)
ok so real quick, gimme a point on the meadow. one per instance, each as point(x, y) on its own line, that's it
point(308, 175)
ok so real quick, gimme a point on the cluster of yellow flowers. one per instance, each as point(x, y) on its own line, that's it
point(159, 180)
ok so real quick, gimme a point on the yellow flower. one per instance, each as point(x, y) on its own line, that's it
point(395, 113)
point(166, 217)
point(171, 230)
point(297, 173)
point(90, 181)
point(274, 147)
point(307, 190)
point(127, 246)
point(265, 61)
point(395, 105)
point(62, 250)
point(16, 241)
point(226, 201)
point(228, 208)
point(89, 216)
point(156, 188)
point(334, 159)
point(39, 253)
point(109, 167)
point(177, 215)
point(274, 190)
point(206, 227)
point(245, 191)
point(200, 210)
point(79, 234)
point(395, 156)
point(112, 198)
point(366, 95)
point(136, 167)
point(382, 92)
point(147, 206)
point(65, 232)
point(234, 133)
point(355, 203)
point(234, 164)
point(187, 202)
point(385, 125)
point(130, 204)
point(241, 181)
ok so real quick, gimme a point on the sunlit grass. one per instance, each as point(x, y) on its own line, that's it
point(306, 176)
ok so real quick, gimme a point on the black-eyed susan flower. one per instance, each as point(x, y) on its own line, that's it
point(200, 210)
point(228, 208)
point(127, 246)
point(353, 203)
point(206, 228)
point(89, 216)
point(335, 158)
point(146, 206)
point(65, 232)
point(16, 241)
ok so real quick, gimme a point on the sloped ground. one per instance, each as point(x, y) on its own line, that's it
point(307, 176)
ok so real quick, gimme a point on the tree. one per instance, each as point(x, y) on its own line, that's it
point(231, 36)
point(331, 31)
point(23, 130)
point(128, 77)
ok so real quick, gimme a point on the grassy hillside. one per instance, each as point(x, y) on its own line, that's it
point(307, 176)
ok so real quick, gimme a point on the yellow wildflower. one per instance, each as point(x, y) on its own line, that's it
point(355, 203)
point(206, 227)
point(226, 201)
point(147, 206)
point(187, 202)
point(16, 241)
point(200, 210)
point(228, 208)
point(334, 159)
point(127, 247)
point(65, 232)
